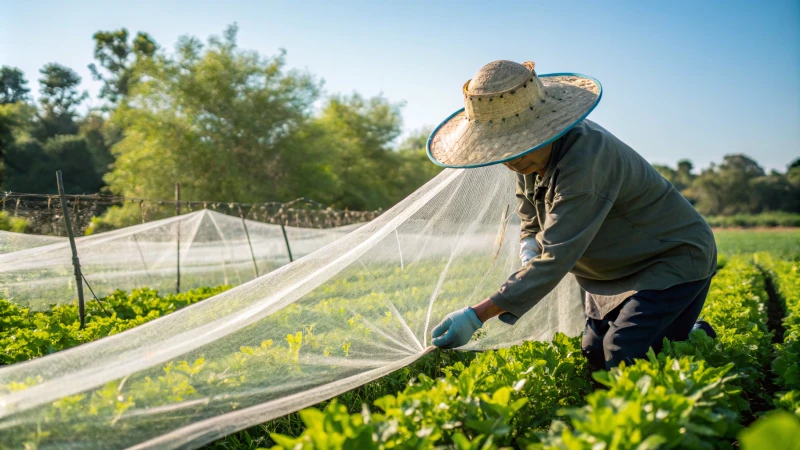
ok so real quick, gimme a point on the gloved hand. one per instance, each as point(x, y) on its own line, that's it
point(528, 249)
point(456, 329)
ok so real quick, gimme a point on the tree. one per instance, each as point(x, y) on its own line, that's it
point(685, 166)
point(793, 174)
point(666, 172)
point(358, 134)
point(6, 138)
point(682, 178)
point(370, 173)
point(59, 98)
point(415, 168)
point(220, 120)
point(16, 122)
point(726, 189)
point(30, 165)
point(99, 136)
point(118, 57)
point(28, 168)
point(12, 85)
point(73, 156)
point(773, 192)
point(743, 164)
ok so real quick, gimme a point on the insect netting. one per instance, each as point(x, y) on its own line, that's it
point(14, 242)
point(340, 317)
point(210, 249)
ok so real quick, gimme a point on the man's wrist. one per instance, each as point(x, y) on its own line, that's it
point(487, 309)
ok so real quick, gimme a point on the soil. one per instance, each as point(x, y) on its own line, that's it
point(775, 313)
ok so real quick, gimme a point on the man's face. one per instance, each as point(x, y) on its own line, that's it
point(532, 162)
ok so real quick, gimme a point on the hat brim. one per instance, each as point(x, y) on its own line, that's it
point(461, 143)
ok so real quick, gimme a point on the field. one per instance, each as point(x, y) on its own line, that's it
point(702, 393)
point(784, 243)
point(764, 219)
point(248, 243)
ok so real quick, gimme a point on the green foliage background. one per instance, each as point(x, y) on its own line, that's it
point(227, 123)
point(738, 186)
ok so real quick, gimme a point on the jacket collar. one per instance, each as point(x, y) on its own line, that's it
point(536, 184)
point(555, 157)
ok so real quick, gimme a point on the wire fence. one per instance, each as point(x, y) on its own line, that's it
point(43, 213)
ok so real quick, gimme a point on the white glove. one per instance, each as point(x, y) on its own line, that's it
point(528, 249)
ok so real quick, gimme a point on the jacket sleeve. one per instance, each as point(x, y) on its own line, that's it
point(529, 223)
point(570, 227)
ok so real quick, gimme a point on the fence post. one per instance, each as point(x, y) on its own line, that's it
point(178, 240)
point(75, 261)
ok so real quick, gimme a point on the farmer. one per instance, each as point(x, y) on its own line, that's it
point(589, 205)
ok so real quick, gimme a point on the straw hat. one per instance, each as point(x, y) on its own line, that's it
point(510, 111)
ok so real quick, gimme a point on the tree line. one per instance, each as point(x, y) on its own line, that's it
point(234, 125)
point(228, 124)
point(736, 186)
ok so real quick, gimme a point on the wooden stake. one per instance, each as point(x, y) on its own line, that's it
point(75, 261)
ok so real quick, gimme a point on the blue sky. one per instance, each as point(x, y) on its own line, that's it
point(681, 79)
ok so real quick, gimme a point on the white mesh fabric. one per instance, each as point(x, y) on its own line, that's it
point(14, 242)
point(214, 250)
point(355, 310)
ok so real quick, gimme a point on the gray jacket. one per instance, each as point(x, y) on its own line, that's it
point(604, 214)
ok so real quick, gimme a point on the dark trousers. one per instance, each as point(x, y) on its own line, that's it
point(643, 321)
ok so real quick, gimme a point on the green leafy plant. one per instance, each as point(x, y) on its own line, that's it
point(26, 334)
point(500, 398)
point(691, 395)
point(660, 402)
point(777, 429)
point(12, 223)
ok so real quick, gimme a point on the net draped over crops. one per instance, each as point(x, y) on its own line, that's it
point(14, 242)
point(215, 249)
point(353, 311)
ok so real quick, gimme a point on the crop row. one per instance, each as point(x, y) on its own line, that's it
point(785, 276)
point(501, 398)
point(779, 428)
point(347, 326)
point(693, 394)
point(737, 309)
point(435, 364)
point(26, 334)
point(690, 395)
